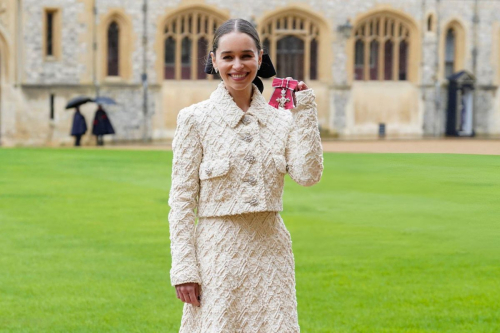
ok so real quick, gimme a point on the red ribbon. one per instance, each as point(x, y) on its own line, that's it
point(284, 93)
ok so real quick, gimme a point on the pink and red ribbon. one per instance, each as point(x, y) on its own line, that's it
point(284, 93)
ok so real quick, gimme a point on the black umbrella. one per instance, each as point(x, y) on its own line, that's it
point(104, 100)
point(77, 101)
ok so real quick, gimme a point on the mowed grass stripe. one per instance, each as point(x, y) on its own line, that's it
point(385, 243)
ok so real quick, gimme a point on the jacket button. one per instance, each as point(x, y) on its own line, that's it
point(251, 180)
point(247, 138)
point(208, 171)
point(254, 202)
point(250, 159)
point(245, 120)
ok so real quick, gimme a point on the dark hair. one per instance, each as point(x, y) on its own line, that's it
point(266, 68)
point(236, 25)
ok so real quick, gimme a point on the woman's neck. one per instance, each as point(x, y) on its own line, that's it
point(242, 98)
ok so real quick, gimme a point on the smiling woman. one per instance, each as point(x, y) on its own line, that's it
point(235, 269)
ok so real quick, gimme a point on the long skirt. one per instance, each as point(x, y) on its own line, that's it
point(248, 276)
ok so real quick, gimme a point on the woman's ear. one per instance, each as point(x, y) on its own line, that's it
point(260, 57)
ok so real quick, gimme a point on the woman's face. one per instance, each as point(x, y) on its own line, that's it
point(237, 60)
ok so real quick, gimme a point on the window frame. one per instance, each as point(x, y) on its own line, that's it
point(291, 23)
point(56, 34)
point(126, 42)
point(382, 27)
point(460, 47)
point(117, 50)
point(194, 23)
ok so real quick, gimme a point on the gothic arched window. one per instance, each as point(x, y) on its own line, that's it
point(113, 49)
point(186, 43)
point(292, 41)
point(449, 57)
point(381, 49)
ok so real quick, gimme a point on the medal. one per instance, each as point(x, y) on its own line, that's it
point(284, 93)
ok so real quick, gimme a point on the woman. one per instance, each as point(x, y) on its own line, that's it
point(102, 125)
point(235, 269)
point(79, 127)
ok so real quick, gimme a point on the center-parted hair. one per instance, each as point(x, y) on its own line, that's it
point(266, 69)
point(236, 25)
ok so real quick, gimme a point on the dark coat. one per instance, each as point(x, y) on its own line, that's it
point(79, 125)
point(102, 125)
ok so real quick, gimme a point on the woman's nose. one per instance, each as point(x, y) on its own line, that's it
point(237, 64)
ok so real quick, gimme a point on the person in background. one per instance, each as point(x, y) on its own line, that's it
point(79, 126)
point(101, 125)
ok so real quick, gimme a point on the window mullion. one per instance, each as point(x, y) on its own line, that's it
point(366, 68)
point(395, 67)
point(273, 41)
point(178, 52)
point(194, 47)
point(381, 49)
point(307, 52)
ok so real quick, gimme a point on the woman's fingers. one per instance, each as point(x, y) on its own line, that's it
point(188, 293)
point(193, 299)
point(197, 292)
point(300, 86)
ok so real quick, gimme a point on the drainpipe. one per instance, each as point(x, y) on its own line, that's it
point(422, 59)
point(94, 49)
point(437, 84)
point(474, 59)
point(144, 75)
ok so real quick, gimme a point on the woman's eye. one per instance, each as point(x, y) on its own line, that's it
point(227, 58)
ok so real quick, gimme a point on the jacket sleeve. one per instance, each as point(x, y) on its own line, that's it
point(183, 200)
point(304, 152)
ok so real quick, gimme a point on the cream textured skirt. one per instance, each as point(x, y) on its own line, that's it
point(248, 276)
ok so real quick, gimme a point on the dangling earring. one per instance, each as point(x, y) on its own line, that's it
point(216, 71)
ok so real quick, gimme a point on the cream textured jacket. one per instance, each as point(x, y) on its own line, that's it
point(229, 162)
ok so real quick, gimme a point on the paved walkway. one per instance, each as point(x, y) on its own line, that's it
point(442, 146)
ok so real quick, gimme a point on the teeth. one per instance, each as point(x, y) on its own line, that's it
point(238, 76)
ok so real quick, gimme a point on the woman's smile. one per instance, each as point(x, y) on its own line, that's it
point(238, 76)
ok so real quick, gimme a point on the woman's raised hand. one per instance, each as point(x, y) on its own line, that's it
point(300, 86)
point(188, 293)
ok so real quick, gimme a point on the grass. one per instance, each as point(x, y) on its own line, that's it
point(385, 243)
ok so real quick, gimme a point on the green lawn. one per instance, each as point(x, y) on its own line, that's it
point(385, 243)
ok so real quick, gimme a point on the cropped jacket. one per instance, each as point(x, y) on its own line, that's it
point(229, 162)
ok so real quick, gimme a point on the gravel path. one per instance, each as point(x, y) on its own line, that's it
point(441, 146)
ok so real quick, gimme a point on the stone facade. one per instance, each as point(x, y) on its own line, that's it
point(347, 108)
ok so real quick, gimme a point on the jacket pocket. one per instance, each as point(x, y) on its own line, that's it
point(214, 168)
point(280, 162)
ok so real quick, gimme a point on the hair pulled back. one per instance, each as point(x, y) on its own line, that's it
point(236, 25)
point(266, 68)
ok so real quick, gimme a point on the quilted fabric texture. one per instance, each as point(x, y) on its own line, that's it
point(228, 170)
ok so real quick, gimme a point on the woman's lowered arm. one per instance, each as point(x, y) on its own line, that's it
point(183, 200)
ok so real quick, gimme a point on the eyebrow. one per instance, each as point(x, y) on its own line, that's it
point(233, 52)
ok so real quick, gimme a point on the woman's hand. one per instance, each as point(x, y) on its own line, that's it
point(301, 86)
point(188, 293)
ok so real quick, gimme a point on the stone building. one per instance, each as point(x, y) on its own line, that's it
point(370, 62)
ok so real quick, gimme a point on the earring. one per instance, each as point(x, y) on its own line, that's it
point(216, 71)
